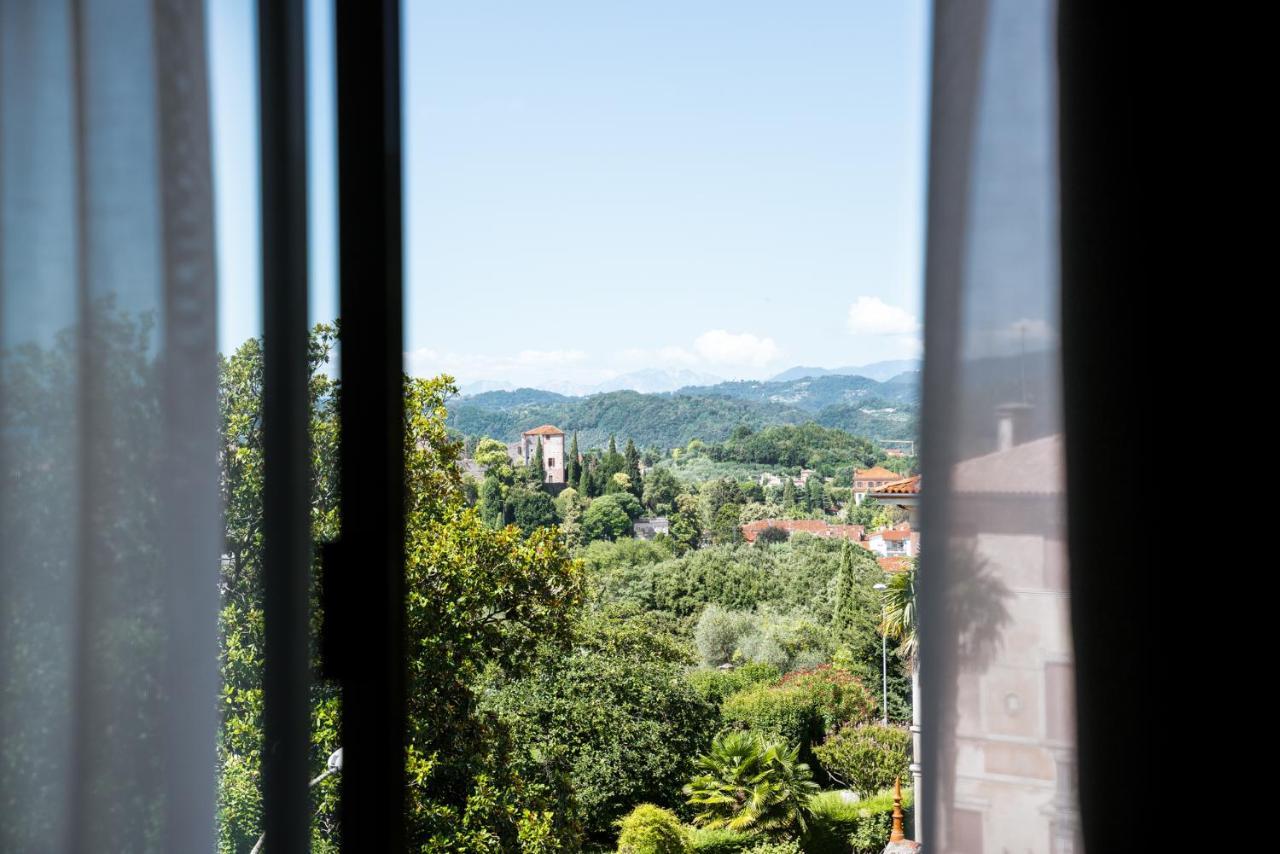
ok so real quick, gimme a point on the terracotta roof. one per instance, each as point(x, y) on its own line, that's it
point(908, 486)
point(892, 534)
point(817, 527)
point(895, 564)
point(876, 473)
point(1034, 468)
point(544, 430)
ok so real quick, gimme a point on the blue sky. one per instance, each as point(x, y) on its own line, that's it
point(726, 186)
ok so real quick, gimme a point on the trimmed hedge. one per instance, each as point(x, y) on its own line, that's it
point(720, 841)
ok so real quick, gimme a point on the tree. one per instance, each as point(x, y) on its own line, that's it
point(531, 510)
point(660, 491)
point(573, 466)
point(724, 526)
point(788, 493)
point(632, 457)
point(686, 523)
point(478, 599)
point(492, 500)
point(584, 479)
point(606, 519)
point(490, 454)
point(844, 620)
point(620, 482)
point(748, 783)
point(620, 713)
point(537, 468)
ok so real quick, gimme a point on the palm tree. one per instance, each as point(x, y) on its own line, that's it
point(748, 783)
point(900, 614)
point(902, 622)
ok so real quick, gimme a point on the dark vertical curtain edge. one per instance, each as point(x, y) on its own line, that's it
point(371, 645)
point(286, 420)
point(1102, 344)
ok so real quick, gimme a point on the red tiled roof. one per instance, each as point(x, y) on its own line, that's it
point(876, 473)
point(544, 430)
point(892, 534)
point(908, 486)
point(817, 527)
point(894, 564)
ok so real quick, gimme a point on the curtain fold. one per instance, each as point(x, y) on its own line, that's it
point(996, 667)
point(110, 530)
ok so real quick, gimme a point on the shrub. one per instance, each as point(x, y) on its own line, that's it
point(719, 840)
point(748, 783)
point(718, 632)
point(787, 847)
point(837, 826)
point(867, 758)
point(650, 829)
point(838, 696)
point(785, 713)
point(715, 685)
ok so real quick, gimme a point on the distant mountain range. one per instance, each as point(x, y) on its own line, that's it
point(857, 404)
point(880, 371)
point(648, 381)
point(658, 380)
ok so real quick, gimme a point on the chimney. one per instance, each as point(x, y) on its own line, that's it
point(1011, 424)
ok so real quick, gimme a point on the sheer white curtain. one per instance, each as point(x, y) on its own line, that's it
point(110, 527)
point(996, 663)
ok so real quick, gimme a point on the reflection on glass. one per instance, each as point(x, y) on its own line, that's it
point(997, 676)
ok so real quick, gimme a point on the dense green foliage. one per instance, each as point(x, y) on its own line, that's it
point(623, 718)
point(671, 420)
point(649, 829)
point(839, 826)
point(564, 677)
point(478, 598)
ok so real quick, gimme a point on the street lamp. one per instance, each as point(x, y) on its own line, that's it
point(333, 766)
point(884, 659)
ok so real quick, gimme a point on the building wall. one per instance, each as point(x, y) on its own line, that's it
point(552, 455)
point(553, 458)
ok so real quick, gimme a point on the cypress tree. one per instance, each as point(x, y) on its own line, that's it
point(788, 493)
point(537, 473)
point(573, 468)
point(844, 615)
point(633, 468)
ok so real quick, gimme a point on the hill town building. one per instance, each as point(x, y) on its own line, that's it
point(870, 480)
point(552, 439)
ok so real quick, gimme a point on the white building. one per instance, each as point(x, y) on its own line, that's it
point(552, 439)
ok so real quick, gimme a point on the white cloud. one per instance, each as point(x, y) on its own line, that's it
point(873, 316)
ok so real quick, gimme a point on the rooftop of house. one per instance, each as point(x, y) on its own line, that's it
point(906, 486)
point(893, 534)
point(875, 473)
point(894, 564)
point(544, 430)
